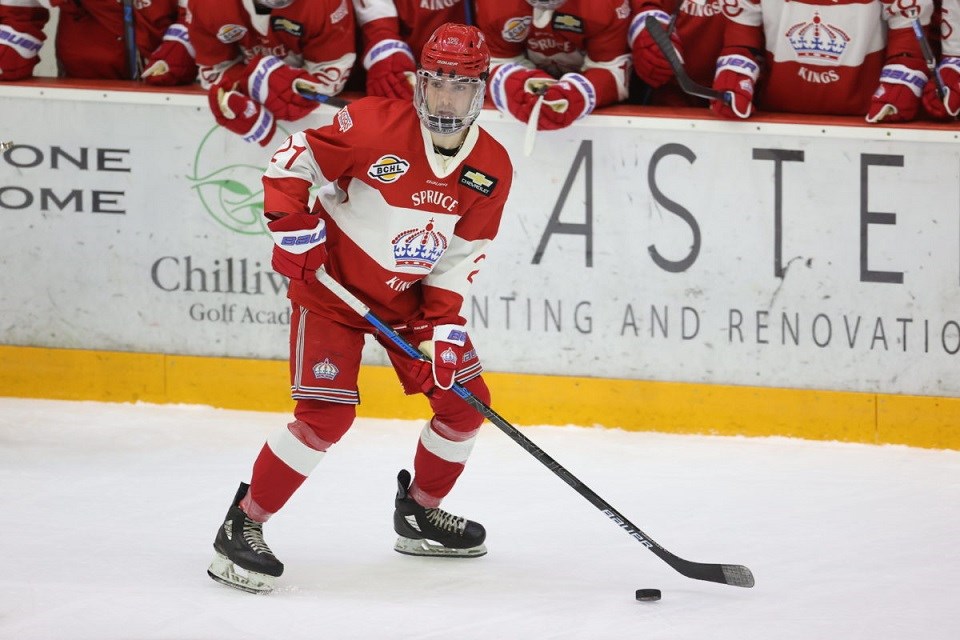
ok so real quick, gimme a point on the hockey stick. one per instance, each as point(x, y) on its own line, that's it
point(732, 574)
point(530, 137)
point(305, 91)
point(533, 122)
point(647, 89)
point(662, 40)
point(928, 57)
point(130, 39)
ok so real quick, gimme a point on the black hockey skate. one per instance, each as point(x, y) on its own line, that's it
point(243, 560)
point(433, 532)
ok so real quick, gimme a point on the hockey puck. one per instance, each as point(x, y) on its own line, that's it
point(648, 595)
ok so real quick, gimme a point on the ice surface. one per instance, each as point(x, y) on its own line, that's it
point(109, 513)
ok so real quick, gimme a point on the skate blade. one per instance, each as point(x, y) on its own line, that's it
point(422, 547)
point(225, 572)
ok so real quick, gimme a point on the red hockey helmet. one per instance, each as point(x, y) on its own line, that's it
point(451, 78)
point(456, 50)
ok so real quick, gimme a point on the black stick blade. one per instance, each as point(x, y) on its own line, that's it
point(735, 575)
point(738, 575)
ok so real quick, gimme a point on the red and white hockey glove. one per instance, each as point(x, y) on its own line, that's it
point(566, 101)
point(172, 63)
point(648, 61)
point(274, 85)
point(736, 76)
point(515, 89)
point(19, 53)
point(445, 349)
point(241, 115)
point(391, 69)
point(299, 245)
point(949, 105)
point(897, 99)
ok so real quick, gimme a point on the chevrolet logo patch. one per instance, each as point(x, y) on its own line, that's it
point(279, 23)
point(477, 180)
point(567, 22)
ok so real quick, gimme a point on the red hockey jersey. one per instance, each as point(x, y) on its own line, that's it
point(825, 56)
point(582, 36)
point(317, 36)
point(89, 41)
point(407, 230)
point(411, 21)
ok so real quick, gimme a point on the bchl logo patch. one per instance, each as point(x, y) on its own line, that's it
point(388, 168)
point(279, 23)
point(567, 22)
point(516, 29)
point(477, 180)
point(325, 370)
point(231, 33)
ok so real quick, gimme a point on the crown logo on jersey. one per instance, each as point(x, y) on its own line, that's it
point(817, 41)
point(325, 370)
point(419, 248)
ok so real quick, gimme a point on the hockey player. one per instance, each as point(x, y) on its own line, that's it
point(847, 57)
point(256, 56)
point(696, 29)
point(948, 29)
point(394, 32)
point(572, 52)
point(89, 40)
point(408, 200)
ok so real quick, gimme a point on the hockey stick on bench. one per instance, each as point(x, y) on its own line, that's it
point(928, 56)
point(732, 574)
point(305, 91)
point(130, 39)
point(662, 39)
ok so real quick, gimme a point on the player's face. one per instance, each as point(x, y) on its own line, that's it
point(447, 104)
point(450, 97)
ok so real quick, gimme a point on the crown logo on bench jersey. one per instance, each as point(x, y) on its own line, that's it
point(419, 248)
point(816, 41)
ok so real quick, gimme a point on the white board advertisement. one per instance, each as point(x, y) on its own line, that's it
point(637, 248)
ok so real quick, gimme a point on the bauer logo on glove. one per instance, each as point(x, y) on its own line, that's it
point(306, 240)
point(456, 336)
